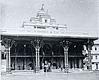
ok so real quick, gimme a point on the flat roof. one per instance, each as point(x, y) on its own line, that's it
point(44, 33)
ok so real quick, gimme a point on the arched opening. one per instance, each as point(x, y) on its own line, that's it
point(52, 54)
point(22, 56)
point(46, 54)
point(47, 50)
point(75, 55)
point(58, 50)
point(58, 56)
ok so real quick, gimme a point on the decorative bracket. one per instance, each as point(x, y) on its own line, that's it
point(8, 42)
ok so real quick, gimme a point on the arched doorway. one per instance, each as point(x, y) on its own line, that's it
point(58, 56)
point(53, 54)
point(22, 56)
point(46, 55)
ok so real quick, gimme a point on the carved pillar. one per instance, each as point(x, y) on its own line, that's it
point(37, 55)
point(7, 58)
point(15, 63)
point(66, 58)
point(37, 45)
point(8, 44)
point(25, 57)
point(89, 47)
point(37, 59)
point(66, 46)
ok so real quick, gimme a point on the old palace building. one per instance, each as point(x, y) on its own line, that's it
point(41, 39)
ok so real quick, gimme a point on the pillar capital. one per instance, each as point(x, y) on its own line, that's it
point(65, 43)
point(37, 43)
point(8, 42)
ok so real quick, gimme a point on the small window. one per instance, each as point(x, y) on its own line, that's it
point(45, 21)
point(96, 66)
point(92, 62)
point(96, 56)
point(95, 48)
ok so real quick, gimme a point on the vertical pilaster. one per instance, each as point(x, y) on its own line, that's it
point(7, 58)
point(66, 46)
point(8, 61)
point(15, 67)
point(37, 48)
point(25, 57)
point(66, 58)
point(8, 44)
point(37, 59)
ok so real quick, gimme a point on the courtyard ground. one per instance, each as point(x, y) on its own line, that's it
point(83, 75)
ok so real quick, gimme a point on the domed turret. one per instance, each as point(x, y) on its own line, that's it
point(43, 15)
point(44, 21)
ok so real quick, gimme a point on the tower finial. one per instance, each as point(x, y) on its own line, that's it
point(42, 8)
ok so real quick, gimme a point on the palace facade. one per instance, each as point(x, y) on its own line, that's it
point(95, 56)
point(41, 39)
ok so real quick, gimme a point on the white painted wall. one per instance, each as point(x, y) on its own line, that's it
point(95, 56)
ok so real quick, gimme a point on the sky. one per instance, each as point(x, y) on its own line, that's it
point(78, 15)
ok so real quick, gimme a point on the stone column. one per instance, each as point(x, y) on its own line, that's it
point(15, 58)
point(7, 58)
point(8, 44)
point(66, 46)
point(35, 44)
point(37, 59)
point(66, 58)
point(37, 48)
point(8, 61)
point(24, 57)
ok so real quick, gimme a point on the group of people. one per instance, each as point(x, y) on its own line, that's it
point(47, 66)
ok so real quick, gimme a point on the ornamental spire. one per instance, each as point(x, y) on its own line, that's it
point(42, 8)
